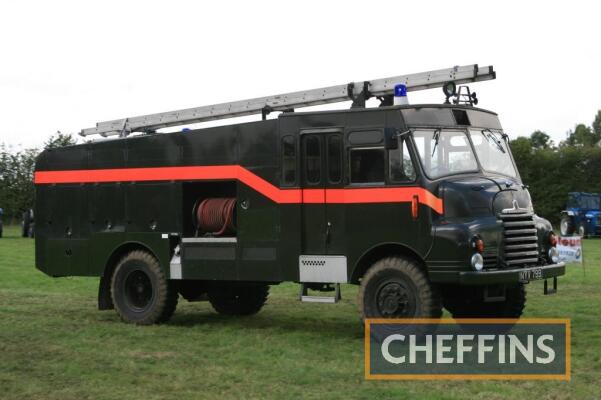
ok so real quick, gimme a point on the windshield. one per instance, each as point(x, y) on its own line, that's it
point(491, 149)
point(444, 152)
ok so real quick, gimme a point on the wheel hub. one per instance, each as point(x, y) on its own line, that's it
point(138, 290)
point(393, 300)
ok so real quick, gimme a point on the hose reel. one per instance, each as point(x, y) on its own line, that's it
point(215, 216)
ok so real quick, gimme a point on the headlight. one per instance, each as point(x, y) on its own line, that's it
point(553, 255)
point(477, 262)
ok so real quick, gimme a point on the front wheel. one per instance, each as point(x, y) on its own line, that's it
point(395, 287)
point(140, 291)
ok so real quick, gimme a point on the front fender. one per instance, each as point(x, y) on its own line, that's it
point(452, 247)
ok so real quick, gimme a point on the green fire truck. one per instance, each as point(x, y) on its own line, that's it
point(422, 206)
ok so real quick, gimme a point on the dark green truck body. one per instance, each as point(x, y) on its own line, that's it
point(295, 195)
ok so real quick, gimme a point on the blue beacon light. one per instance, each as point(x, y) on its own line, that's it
point(400, 95)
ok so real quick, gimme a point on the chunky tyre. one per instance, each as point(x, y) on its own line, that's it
point(140, 291)
point(566, 226)
point(466, 304)
point(238, 298)
point(395, 287)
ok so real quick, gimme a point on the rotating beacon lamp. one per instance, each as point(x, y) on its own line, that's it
point(400, 95)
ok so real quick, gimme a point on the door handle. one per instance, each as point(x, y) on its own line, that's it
point(328, 229)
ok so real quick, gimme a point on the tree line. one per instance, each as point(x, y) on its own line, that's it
point(16, 176)
point(551, 170)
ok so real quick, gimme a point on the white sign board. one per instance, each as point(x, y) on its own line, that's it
point(570, 249)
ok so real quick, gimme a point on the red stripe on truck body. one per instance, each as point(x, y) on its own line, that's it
point(237, 172)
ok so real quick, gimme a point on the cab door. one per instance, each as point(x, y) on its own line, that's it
point(385, 189)
point(322, 172)
point(313, 207)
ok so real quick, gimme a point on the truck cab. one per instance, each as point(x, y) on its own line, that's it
point(487, 241)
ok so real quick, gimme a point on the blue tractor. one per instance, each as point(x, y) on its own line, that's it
point(582, 215)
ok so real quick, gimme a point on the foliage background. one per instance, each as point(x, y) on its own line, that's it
point(16, 176)
point(551, 170)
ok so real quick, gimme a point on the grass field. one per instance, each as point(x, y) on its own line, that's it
point(54, 344)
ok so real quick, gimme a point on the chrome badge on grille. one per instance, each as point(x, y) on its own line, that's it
point(515, 210)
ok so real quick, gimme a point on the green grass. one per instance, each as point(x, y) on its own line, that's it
point(54, 344)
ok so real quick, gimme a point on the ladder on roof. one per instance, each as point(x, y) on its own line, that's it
point(358, 92)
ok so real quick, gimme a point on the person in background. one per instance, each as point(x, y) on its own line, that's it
point(27, 224)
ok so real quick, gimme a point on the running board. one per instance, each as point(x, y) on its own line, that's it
point(304, 297)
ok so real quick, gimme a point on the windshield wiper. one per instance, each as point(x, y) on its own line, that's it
point(490, 135)
point(436, 138)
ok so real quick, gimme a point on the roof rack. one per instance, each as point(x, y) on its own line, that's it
point(358, 92)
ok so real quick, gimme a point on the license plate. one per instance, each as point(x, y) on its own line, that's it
point(531, 274)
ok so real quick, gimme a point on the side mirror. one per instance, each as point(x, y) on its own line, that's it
point(391, 141)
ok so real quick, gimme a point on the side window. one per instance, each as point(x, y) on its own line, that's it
point(400, 166)
point(288, 160)
point(367, 165)
point(334, 158)
point(312, 159)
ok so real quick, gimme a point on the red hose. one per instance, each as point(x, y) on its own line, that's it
point(216, 216)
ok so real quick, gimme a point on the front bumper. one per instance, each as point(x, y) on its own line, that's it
point(503, 276)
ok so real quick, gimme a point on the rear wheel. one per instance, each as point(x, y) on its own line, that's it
point(238, 298)
point(140, 291)
point(463, 303)
point(395, 287)
point(566, 226)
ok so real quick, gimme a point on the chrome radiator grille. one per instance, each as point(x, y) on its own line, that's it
point(520, 240)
